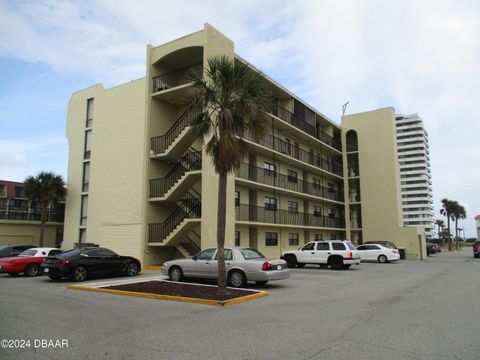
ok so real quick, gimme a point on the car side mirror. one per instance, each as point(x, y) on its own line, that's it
point(194, 257)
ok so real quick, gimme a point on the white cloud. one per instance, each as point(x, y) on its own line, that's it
point(28, 156)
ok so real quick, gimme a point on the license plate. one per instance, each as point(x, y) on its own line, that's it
point(279, 267)
point(46, 270)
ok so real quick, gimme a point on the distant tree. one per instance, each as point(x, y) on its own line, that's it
point(458, 213)
point(234, 101)
point(440, 224)
point(45, 188)
point(447, 210)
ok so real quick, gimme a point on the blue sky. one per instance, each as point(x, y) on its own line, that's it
point(417, 56)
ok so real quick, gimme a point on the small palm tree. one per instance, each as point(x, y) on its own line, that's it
point(447, 209)
point(440, 224)
point(458, 213)
point(233, 101)
point(44, 189)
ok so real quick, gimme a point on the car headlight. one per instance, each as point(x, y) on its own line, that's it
point(165, 265)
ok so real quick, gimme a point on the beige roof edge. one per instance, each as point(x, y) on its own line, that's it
point(368, 111)
point(288, 92)
point(107, 89)
point(171, 41)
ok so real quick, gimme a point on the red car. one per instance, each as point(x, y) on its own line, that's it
point(28, 262)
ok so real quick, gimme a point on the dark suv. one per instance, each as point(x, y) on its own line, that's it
point(13, 250)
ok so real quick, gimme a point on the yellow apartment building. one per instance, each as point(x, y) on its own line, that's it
point(140, 184)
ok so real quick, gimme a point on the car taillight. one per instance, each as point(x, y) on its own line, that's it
point(63, 262)
point(349, 255)
point(266, 266)
point(395, 251)
point(475, 247)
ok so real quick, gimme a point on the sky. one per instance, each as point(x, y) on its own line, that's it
point(418, 56)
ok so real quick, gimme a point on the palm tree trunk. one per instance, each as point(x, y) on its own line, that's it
point(456, 233)
point(221, 220)
point(449, 235)
point(43, 219)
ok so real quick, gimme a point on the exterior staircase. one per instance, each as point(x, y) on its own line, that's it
point(176, 140)
point(181, 178)
point(179, 224)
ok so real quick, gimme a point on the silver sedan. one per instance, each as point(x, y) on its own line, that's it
point(241, 265)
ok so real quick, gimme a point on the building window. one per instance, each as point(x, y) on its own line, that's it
point(271, 239)
point(237, 198)
point(318, 237)
point(88, 144)
point(3, 191)
point(293, 207)
point(269, 169)
point(89, 113)
point(82, 238)
point(86, 176)
point(287, 147)
point(293, 239)
point(19, 191)
point(84, 210)
point(292, 176)
point(237, 238)
point(317, 210)
point(331, 213)
point(270, 203)
point(331, 188)
point(316, 183)
point(333, 237)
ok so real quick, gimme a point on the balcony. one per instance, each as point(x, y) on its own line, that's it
point(175, 78)
point(251, 213)
point(259, 175)
point(288, 117)
point(294, 151)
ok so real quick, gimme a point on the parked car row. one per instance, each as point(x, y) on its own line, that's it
point(78, 264)
point(242, 264)
point(245, 264)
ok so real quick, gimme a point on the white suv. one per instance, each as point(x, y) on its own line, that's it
point(338, 254)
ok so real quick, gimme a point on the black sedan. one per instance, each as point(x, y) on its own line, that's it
point(80, 264)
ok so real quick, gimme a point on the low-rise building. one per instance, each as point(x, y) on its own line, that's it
point(20, 218)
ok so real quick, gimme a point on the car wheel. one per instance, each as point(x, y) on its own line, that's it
point(13, 274)
point(301, 265)
point(237, 279)
point(291, 261)
point(336, 263)
point(32, 270)
point(382, 259)
point(261, 282)
point(132, 269)
point(346, 266)
point(54, 277)
point(476, 256)
point(175, 274)
point(80, 273)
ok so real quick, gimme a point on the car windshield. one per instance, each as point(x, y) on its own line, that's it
point(250, 254)
point(351, 245)
point(29, 252)
point(68, 253)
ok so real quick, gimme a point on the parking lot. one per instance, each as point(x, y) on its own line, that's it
point(404, 310)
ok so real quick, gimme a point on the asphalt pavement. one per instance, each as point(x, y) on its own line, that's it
point(405, 310)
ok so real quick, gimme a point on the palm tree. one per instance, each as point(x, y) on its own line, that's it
point(440, 224)
point(458, 213)
point(44, 189)
point(447, 210)
point(233, 102)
